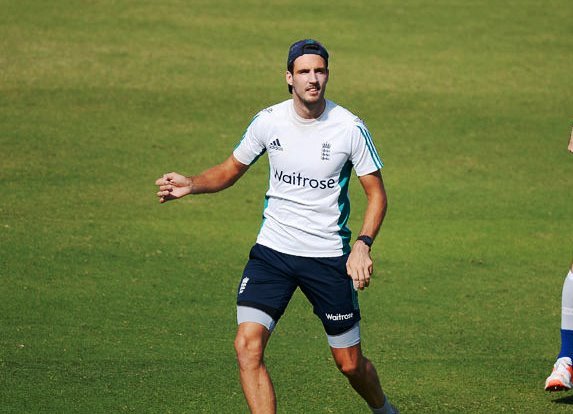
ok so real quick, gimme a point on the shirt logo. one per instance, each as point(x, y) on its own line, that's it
point(299, 180)
point(275, 145)
point(325, 153)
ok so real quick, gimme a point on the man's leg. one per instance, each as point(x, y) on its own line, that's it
point(360, 373)
point(250, 343)
point(262, 297)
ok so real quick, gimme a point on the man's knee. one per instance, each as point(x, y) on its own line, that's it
point(250, 344)
point(351, 368)
point(350, 361)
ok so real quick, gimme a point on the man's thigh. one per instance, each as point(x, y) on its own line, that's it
point(266, 287)
point(325, 283)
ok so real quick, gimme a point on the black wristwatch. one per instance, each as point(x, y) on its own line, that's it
point(367, 240)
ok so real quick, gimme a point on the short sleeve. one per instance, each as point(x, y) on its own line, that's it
point(365, 158)
point(252, 144)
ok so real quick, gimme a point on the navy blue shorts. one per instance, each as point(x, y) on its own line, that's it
point(270, 279)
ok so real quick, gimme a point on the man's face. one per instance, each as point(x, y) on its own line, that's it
point(308, 78)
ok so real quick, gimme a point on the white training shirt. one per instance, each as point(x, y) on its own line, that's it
point(306, 205)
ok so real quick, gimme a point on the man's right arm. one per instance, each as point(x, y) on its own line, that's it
point(173, 186)
point(570, 146)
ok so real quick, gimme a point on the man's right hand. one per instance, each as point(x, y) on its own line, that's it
point(173, 186)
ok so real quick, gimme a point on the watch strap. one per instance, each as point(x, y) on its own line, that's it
point(367, 240)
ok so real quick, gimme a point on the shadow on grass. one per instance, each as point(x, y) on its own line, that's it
point(564, 400)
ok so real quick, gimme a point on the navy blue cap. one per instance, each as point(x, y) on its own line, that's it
point(306, 47)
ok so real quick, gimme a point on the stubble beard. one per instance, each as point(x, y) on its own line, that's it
point(313, 102)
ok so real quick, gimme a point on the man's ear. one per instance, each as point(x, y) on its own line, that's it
point(288, 77)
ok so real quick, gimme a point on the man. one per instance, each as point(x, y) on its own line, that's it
point(304, 242)
point(560, 378)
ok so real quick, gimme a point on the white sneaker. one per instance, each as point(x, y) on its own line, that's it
point(560, 378)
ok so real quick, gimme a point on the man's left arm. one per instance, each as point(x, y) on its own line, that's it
point(359, 265)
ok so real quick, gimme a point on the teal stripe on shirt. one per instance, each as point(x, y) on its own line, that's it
point(371, 148)
point(246, 129)
point(243, 137)
point(344, 206)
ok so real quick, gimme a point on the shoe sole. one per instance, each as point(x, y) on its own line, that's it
point(557, 387)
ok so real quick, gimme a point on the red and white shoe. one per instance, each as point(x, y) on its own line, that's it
point(560, 378)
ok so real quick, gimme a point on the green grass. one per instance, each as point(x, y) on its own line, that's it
point(110, 302)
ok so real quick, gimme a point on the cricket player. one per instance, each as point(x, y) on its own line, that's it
point(313, 145)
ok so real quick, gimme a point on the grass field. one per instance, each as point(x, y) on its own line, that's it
point(110, 302)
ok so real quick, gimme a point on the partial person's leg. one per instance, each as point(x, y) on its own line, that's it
point(363, 377)
point(560, 378)
point(567, 317)
point(250, 343)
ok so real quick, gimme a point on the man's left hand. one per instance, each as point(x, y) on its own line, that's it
point(359, 265)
